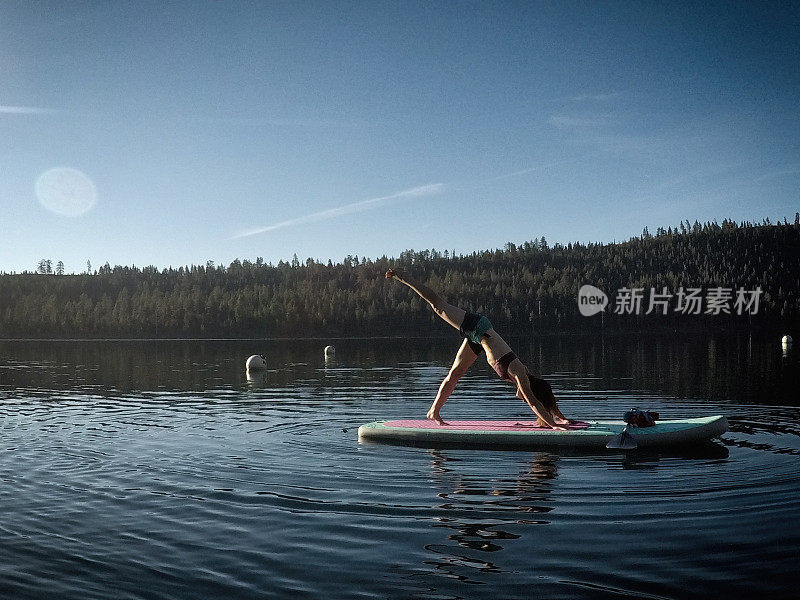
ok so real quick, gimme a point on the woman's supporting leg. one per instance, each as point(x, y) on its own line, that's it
point(451, 314)
point(464, 359)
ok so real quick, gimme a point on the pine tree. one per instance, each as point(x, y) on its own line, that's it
point(524, 287)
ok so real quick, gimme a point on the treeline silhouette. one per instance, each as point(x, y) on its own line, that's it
point(524, 288)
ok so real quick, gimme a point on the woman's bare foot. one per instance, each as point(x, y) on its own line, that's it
point(434, 416)
point(394, 273)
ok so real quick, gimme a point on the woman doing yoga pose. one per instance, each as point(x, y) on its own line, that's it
point(479, 337)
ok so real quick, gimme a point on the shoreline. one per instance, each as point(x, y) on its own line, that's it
point(760, 332)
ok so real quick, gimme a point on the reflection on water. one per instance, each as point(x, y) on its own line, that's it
point(735, 368)
point(525, 495)
point(160, 469)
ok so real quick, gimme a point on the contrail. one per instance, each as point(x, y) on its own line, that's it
point(26, 110)
point(540, 167)
point(363, 205)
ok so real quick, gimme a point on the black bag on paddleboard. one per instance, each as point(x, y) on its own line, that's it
point(640, 418)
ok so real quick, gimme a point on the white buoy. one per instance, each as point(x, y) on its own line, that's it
point(256, 363)
point(787, 340)
point(330, 351)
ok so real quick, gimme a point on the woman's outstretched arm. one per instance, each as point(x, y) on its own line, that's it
point(520, 376)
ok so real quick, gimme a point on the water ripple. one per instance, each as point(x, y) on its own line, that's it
point(227, 488)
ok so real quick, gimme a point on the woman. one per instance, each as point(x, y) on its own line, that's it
point(479, 337)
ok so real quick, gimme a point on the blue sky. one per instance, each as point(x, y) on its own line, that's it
point(172, 133)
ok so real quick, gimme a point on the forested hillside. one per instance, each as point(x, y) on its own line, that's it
point(531, 287)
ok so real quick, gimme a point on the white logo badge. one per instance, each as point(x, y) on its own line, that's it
point(591, 300)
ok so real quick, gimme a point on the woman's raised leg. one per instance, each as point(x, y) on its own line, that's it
point(451, 314)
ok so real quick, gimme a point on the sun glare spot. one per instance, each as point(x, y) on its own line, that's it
point(66, 191)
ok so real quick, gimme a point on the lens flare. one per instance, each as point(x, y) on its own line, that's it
point(66, 191)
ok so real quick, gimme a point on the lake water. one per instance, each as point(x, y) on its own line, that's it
point(157, 470)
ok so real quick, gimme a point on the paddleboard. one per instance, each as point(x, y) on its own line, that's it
point(525, 433)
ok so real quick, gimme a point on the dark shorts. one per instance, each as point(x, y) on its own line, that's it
point(474, 327)
point(476, 348)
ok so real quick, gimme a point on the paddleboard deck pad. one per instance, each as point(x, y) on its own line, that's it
point(525, 433)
